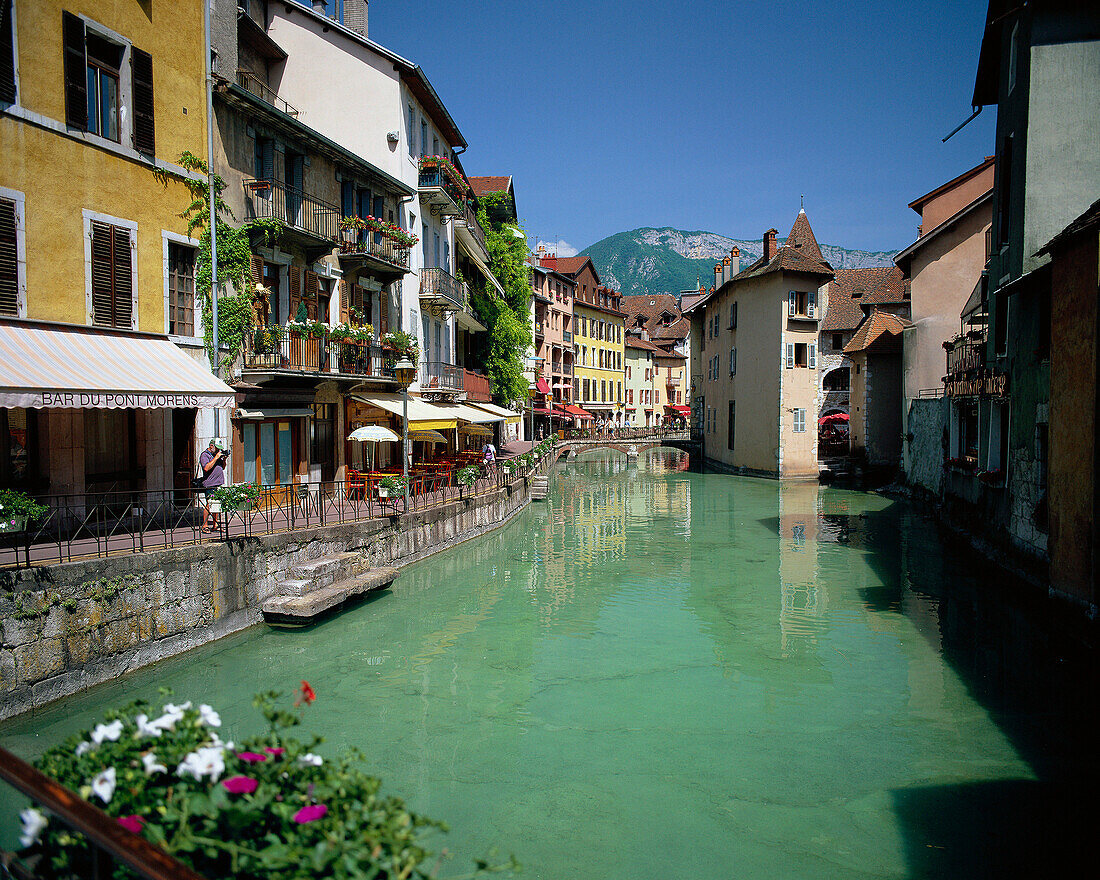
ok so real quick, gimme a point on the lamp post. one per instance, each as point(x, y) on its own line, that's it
point(405, 372)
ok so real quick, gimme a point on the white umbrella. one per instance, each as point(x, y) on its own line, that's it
point(374, 434)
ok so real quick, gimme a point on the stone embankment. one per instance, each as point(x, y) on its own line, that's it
point(71, 626)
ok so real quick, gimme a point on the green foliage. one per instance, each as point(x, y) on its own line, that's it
point(467, 476)
point(16, 505)
point(240, 496)
point(395, 485)
point(403, 343)
point(508, 318)
point(267, 808)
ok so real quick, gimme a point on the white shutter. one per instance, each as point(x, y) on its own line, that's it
point(813, 356)
point(811, 302)
point(792, 302)
point(790, 355)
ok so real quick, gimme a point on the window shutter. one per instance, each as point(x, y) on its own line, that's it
point(312, 286)
point(141, 67)
point(813, 356)
point(124, 279)
point(792, 302)
point(384, 313)
point(811, 303)
point(7, 55)
point(76, 71)
point(267, 158)
point(112, 276)
point(344, 316)
point(735, 316)
point(294, 290)
point(790, 355)
point(9, 260)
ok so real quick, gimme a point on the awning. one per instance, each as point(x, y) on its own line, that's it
point(510, 417)
point(274, 413)
point(682, 410)
point(578, 412)
point(423, 416)
point(44, 366)
point(468, 413)
point(542, 387)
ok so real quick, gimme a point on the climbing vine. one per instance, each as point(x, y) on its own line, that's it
point(508, 318)
point(235, 313)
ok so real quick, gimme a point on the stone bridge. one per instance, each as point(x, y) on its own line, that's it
point(629, 445)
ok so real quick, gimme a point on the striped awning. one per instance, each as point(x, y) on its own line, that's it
point(470, 414)
point(423, 416)
point(510, 417)
point(47, 366)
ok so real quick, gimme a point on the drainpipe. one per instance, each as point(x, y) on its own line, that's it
point(213, 196)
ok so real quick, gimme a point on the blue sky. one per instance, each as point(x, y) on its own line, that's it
point(704, 115)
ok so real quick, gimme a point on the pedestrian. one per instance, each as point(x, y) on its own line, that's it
point(489, 453)
point(212, 465)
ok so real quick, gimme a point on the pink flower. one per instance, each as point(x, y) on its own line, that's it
point(240, 784)
point(251, 757)
point(132, 824)
point(275, 752)
point(310, 813)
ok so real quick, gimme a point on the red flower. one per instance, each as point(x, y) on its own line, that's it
point(275, 752)
point(132, 824)
point(310, 813)
point(251, 757)
point(307, 692)
point(239, 785)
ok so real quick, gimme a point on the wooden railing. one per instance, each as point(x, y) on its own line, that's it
point(478, 387)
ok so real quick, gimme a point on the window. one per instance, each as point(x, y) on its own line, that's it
point(412, 130)
point(812, 354)
point(1013, 56)
point(586, 389)
point(968, 431)
point(838, 341)
point(619, 398)
point(801, 304)
point(1004, 189)
point(96, 86)
point(998, 437)
point(1000, 321)
point(798, 354)
point(269, 451)
point(732, 425)
point(13, 256)
point(7, 53)
point(111, 274)
point(181, 289)
point(628, 372)
point(733, 321)
point(423, 137)
point(733, 361)
point(800, 421)
point(18, 447)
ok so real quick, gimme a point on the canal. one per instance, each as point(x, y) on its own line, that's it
point(660, 673)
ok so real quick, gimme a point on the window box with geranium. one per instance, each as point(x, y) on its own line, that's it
point(402, 343)
point(268, 806)
point(17, 510)
point(392, 487)
point(240, 497)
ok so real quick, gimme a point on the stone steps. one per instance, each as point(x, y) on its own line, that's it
point(540, 487)
point(315, 586)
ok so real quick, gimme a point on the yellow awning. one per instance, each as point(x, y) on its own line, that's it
point(423, 416)
point(510, 417)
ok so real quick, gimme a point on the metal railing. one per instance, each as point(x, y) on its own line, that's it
point(439, 284)
point(374, 244)
point(269, 198)
point(434, 178)
point(478, 387)
point(476, 231)
point(276, 348)
point(965, 355)
point(111, 844)
point(256, 86)
point(117, 523)
point(437, 376)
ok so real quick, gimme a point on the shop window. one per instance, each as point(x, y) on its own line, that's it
point(18, 448)
point(110, 450)
point(268, 452)
point(998, 437)
point(968, 431)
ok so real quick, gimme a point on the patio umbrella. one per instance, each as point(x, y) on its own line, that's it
point(427, 436)
point(477, 430)
point(374, 434)
point(833, 418)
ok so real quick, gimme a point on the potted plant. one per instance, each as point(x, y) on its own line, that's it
point(402, 343)
point(392, 487)
point(17, 509)
point(467, 476)
point(350, 227)
point(239, 497)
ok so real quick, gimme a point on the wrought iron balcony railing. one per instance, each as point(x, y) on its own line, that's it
point(965, 355)
point(252, 83)
point(298, 210)
point(277, 349)
point(435, 376)
point(376, 245)
point(440, 286)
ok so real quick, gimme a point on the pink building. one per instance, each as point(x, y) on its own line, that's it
point(553, 332)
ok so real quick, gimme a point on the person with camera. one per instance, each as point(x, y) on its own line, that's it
point(212, 464)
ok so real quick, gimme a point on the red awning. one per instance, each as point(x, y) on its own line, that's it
point(542, 386)
point(676, 407)
point(832, 418)
point(579, 412)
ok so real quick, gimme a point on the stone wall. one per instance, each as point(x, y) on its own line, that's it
point(68, 627)
point(925, 426)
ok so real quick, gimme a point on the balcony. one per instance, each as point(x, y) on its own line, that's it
point(441, 289)
point(308, 218)
point(277, 350)
point(963, 355)
point(374, 250)
point(470, 232)
point(442, 194)
point(256, 86)
point(478, 387)
point(435, 376)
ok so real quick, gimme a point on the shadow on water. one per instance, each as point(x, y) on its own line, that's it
point(1031, 664)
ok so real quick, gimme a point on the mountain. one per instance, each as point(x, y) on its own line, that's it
point(647, 261)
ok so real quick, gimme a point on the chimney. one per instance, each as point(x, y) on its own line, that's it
point(355, 16)
point(770, 247)
point(549, 261)
point(735, 260)
point(718, 275)
point(726, 270)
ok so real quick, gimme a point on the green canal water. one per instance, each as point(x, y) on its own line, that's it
point(660, 673)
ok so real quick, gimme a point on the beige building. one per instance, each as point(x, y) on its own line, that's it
point(757, 396)
point(657, 319)
point(640, 382)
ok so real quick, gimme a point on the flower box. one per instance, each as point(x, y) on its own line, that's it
point(13, 524)
point(214, 505)
point(383, 492)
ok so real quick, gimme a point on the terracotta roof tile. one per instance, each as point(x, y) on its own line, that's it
point(802, 238)
point(635, 342)
point(651, 310)
point(891, 288)
point(877, 325)
point(483, 185)
point(800, 253)
point(847, 290)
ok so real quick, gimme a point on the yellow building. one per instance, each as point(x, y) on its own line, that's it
point(97, 102)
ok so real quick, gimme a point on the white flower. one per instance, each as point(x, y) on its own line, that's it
point(208, 761)
point(216, 741)
point(172, 714)
point(110, 731)
point(33, 824)
point(311, 760)
point(208, 716)
point(104, 785)
point(83, 748)
point(146, 727)
point(151, 765)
